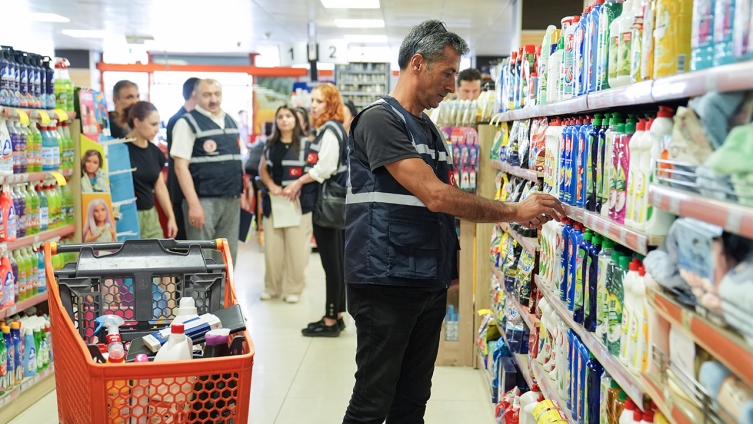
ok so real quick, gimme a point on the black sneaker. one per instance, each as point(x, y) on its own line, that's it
point(321, 330)
point(340, 324)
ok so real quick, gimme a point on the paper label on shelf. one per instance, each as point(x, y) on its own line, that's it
point(642, 245)
point(733, 221)
point(23, 117)
point(656, 199)
point(668, 403)
point(711, 84)
point(674, 205)
point(43, 117)
point(623, 236)
point(59, 178)
point(686, 319)
point(62, 115)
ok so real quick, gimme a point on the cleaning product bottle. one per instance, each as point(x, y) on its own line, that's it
point(658, 221)
point(16, 283)
point(555, 64)
point(44, 210)
point(14, 199)
point(6, 362)
point(576, 238)
point(55, 141)
point(37, 334)
point(616, 302)
point(571, 182)
point(186, 311)
point(21, 155)
point(590, 284)
point(30, 152)
point(217, 343)
point(12, 357)
point(569, 60)
point(71, 146)
point(601, 164)
point(628, 309)
point(579, 283)
point(115, 350)
point(552, 157)
point(47, 149)
point(584, 149)
point(624, 48)
point(702, 35)
point(674, 21)
point(634, 184)
point(9, 214)
point(723, 32)
point(23, 295)
point(620, 162)
point(579, 65)
point(31, 227)
point(592, 392)
point(565, 259)
point(626, 415)
point(612, 134)
point(31, 257)
point(35, 211)
point(615, 36)
point(177, 348)
point(639, 334)
point(606, 384)
point(647, 43)
point(610, 11)
point(70, 213)
point(592, 148)
point(543, 71)
point(42, 272)
point(591, 57)
point(564, 148)
point(636, 38)
point(6, 276)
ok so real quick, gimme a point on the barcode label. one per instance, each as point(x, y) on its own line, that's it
point(681, 63)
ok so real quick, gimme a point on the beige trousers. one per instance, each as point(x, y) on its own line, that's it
point(286, 256)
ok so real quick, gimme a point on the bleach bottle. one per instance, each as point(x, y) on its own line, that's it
point(30, 353)
point(591, 57)
point(569, 60)
point(584, 150)
point(6, 276)
point(576, 238)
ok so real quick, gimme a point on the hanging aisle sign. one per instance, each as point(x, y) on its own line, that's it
point(330, 51)
point(294, 53)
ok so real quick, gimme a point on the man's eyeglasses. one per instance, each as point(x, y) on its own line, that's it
point(427, 33)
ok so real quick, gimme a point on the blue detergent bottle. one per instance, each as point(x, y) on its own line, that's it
point(563, 193)
point(18, 345)
point(590, 283)
point(592, 392)
point(592, 46)
point(572, 169)
point(10, 377)
point(47, 159)
point(593, 144)
point(582, 168)
point(564, 260)
point(30, 353)
point(576, 238)
point(580, 282)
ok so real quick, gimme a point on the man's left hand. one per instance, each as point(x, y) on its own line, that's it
point(245, 205)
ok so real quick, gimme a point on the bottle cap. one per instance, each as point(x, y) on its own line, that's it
point(641, 126)
point(177, 329)
point(648, 417)
point(596, 239)
point(641, 271)
point(6, 329)
point(529, 49)
point(587, 236)
point(621, 127)
point(599, 2)
point(625, 262)
point(15, 325)
point(622, 397)
point(629, 404)
point(614, 385)
point(634, 266)
point(141, 358)
point(637, 415)
point(187, 306)
point(576, 19)
point(665, 112)
point(616, 257)
point(630, 127)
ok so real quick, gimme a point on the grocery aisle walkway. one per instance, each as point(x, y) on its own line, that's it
point(301, 380)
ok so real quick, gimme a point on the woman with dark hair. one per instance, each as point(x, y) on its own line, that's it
point(303, 119)
point(93, 178)
point(286, 250)
point(148, 160)
point(327, 160)
point(350, 113)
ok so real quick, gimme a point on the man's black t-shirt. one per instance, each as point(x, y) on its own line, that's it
point(116, 130)
point(381, 139)
point(148, 163)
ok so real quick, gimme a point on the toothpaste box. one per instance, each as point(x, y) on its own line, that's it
point(195, 327)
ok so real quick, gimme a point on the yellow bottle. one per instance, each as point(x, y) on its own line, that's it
point(674, 21)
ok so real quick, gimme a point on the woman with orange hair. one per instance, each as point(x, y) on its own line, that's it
point(327, 159)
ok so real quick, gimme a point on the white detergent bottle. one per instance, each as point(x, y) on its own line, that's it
point(177, 348)
point(640, 334)
point(642, 179)
point(627, 414)
point(186, 310)
point(627, 20)
point(634, 170)
point(546, 351)
point(554, 323)
point(658, 221)
point(627, 311)
point(615, 36)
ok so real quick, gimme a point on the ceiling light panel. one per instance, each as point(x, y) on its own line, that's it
point(47, 17)
point(359, 23)
point(359, 38)
point(350, 4)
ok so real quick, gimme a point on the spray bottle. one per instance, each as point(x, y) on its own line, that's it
point(115, 350)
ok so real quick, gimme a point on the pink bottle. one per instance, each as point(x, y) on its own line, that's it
point(621, 163)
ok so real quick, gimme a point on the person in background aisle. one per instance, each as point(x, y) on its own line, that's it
point(124, 94)
point(350, 113)
point(327, 159)
point(173, 186)
point(400, 241)
point(244, 129)
point(286, 250)
point(469, 84)
point(209, 168)
point(148, 160)
point(303, 118)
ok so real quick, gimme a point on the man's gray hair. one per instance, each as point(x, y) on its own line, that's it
point(429, 39)
point(209, 81)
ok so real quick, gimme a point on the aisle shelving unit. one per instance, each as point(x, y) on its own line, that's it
point(721, 78)
point(363, 83)
point(629, 382)
point(530, 319)
point(32, 176)
point(679, 411)
point(21, 305)
point(547, 388)
point(43, 236)
point(619, 233)
point(528, 243)
point(45, 378)
point(527, 174)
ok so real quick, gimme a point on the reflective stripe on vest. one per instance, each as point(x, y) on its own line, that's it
point(379, 197)
point(209, 133)
point(218, 158)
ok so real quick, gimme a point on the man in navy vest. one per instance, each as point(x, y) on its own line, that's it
point(400, 241)
point(209, 168)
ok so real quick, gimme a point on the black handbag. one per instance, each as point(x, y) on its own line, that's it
point(330, 203)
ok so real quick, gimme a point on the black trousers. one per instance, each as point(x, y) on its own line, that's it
point(331, 245)
point(398, 338)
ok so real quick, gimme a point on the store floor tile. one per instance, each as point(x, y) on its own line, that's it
point(303, 380)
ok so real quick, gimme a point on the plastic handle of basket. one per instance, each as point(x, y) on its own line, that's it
point(76, 247)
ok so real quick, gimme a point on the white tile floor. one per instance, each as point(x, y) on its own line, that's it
point(303, 380)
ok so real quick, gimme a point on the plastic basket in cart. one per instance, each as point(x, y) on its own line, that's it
point(142, 282)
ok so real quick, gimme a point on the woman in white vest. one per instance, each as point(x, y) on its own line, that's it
point(286, 248)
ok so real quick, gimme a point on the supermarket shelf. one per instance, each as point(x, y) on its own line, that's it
point(362, 93)
point(46, 235)
point(727, 347)
point(24, 304)
point(529, 318)
point(620, 233)
point(44, 382)
point(735, 218)
point(676, 409)
point(529, 243)
point(362, 82)
point(486, 372)
point(521, 360)
point(731, 77)
point(33, 176)
point(528, 174)
point(629, 382)
point(353, 72)
point(12, 112)
point(547, 388)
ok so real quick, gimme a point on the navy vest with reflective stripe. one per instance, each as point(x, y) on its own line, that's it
point(216, 165)
point(293, 165)
point(391, 237)
point(340, 175)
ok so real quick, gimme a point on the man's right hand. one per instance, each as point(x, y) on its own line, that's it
point(537, 209)
point(196, 216)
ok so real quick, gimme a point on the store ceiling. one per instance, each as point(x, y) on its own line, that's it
point(243, 26)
